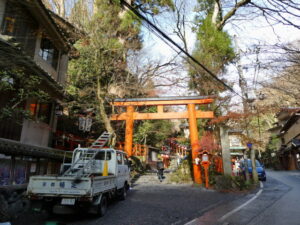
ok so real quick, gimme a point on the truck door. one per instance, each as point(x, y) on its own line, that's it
point(121, 170)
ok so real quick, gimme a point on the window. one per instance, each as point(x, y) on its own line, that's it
point(8, 25)
point(44, 113)
point(101, 156)
point(126, 161)
point(40, 111)
point(48, 52)
point(119, 158)
point(33, 109)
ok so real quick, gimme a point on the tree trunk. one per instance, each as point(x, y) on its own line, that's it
point(253, 161)
point(95, 7)
point(216, 12)
point(104, 115)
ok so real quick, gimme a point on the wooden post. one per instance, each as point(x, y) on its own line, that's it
point(129, 130)
point(194, 141)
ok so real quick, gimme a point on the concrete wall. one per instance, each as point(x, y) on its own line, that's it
point(38, 133)
point(63, 68)
point(35, 133)
point(2, 10)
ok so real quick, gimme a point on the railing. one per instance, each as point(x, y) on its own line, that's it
point(137, 149)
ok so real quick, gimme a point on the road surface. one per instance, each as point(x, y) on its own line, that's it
point(278, 203)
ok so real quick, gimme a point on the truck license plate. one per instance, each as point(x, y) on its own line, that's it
point(68, 201)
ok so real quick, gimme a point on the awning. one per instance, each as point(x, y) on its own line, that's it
point(10, 147)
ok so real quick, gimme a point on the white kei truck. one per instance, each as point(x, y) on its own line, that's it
point(95, 175)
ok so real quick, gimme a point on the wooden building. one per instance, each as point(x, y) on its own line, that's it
point(33, 41)
point(287, 129)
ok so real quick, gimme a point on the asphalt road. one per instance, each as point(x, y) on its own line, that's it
point(286, 210)
point(278, 203)
point(146, 205)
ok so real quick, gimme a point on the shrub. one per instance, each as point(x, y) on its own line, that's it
point(182, 174)
point(231, 183)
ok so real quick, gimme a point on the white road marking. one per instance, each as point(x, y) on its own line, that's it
point(234, 210)
point(243, 205)
point(191, 222)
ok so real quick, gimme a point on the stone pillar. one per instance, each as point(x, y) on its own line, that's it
point(225, 151)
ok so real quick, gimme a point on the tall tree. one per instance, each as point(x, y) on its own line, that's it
point(101, 70)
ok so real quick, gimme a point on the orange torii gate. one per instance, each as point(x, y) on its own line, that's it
point(191, 114)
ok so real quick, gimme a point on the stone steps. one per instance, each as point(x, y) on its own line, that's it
point(150, 177)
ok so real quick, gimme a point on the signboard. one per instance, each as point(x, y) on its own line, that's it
point(85, 123)
point(249, 145)
point(235, 141)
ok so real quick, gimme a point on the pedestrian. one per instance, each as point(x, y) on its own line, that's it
point(178, 159)
point(160, 170)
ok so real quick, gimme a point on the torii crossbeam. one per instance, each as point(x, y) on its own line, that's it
point(191, 114)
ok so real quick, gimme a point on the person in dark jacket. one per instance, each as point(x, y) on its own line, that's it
point(160, 170)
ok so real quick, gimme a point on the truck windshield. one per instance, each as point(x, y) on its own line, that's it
point(101, 156)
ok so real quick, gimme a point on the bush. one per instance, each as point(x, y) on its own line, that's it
point(240, 183)
point(182, 174)
point(231, 183)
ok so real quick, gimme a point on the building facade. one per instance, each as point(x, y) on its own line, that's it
point(287, 129)
point(33, 45)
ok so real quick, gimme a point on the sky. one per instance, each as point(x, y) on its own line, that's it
point(248, 33)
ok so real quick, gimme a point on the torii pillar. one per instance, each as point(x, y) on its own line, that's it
point(194, 142)
point(191, 114)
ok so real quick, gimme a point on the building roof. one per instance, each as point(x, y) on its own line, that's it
point(292, 120)
point(286, 112)
point(70, 32)
point(39, 11)
point(168, 98)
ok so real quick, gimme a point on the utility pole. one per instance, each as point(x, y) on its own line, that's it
point(245, 100)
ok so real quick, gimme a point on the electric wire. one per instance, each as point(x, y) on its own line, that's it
point(168, 39)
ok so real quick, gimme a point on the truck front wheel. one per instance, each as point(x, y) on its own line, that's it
point(122, 193)
point(102, 207)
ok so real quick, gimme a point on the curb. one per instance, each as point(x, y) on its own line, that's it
point(243, 205)
point(202, 221)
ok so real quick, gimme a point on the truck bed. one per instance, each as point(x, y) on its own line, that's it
point(62, 186)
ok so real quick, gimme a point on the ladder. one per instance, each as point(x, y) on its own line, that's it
point(86, 160)
point(101, 141)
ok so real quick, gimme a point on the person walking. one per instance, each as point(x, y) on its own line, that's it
point(160, 170)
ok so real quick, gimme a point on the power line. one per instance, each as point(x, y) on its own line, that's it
point(123, 2)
